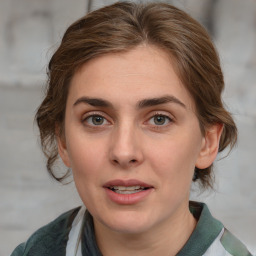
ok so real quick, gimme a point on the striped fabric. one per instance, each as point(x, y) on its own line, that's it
point(72, 234)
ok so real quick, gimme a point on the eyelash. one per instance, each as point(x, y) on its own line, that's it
point(167, 120)
point(85, 120)
point(94, 115)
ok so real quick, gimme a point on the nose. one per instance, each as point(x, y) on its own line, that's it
point(126, 147)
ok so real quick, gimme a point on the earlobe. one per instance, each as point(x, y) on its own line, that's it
point(62, 149)
point(210, 146)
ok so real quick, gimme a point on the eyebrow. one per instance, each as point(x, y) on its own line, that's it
point(95, 102)
point(98, 102)
point(158, 101)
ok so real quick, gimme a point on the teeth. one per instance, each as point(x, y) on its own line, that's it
point(126, 190)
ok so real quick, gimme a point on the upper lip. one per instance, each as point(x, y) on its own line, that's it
point(126, 183)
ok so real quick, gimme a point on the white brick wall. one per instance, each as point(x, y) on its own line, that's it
point(30, 30)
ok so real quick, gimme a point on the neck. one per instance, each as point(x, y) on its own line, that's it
point(166, 238)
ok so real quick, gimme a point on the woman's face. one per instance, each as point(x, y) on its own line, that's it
point(132, 139)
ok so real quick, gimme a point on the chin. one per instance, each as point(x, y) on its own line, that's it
point(129, 228)
point(128, 222)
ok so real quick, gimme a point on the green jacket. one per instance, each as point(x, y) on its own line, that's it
point(209, 238)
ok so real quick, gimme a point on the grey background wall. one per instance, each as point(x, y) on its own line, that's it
point(29, 32)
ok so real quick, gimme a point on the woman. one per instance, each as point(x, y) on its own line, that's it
point(134, 109)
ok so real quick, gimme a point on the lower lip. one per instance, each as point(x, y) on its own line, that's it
point(128, 199)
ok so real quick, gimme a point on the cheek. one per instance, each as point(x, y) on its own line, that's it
point(87, 172)
point(85, 155)
point(173, 168)
point(175, 158)
point(85, 161)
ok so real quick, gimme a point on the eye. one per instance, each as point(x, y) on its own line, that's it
point(96, 120)
point(160, 120)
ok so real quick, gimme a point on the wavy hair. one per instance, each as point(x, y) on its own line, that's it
point(121, 27)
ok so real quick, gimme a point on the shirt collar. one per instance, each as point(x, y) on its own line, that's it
point(206, 231)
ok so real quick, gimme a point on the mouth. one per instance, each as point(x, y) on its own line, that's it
point(127, 192)
point(127, 189)
point(131, 186)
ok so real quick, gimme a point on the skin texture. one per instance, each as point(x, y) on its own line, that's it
point(156, 144)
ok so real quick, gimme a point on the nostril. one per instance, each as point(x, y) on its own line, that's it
point(124, 162)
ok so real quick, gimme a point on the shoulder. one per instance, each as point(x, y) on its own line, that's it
point(227, 244)
point(50, 239)
point(233, 245)
point(214, 238)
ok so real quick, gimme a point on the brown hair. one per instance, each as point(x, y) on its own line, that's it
point(120, 27)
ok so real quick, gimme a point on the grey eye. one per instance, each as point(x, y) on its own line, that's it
point(95, 120)
point(159, 120)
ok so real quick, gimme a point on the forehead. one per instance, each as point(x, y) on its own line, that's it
point(143, 72)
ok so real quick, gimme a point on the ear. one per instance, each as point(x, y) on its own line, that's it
point(62, 148)
point(210, 146)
